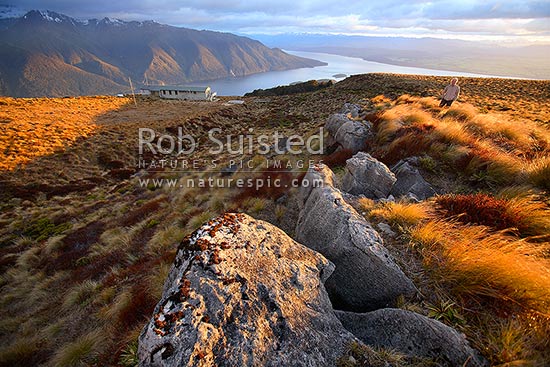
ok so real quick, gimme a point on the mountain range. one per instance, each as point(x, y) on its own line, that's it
point(44, 53)
point(482, 57)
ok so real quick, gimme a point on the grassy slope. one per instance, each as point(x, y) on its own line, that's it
point(85, 249)
point(479, 253)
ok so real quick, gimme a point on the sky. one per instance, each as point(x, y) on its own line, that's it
point(504, 21)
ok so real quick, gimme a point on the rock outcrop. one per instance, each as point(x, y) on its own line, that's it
point(347, 134)
point(366, 175)
point(411, 334)
point(351, 110)
point(366, 277)
point(410, 181)
point(243, 293)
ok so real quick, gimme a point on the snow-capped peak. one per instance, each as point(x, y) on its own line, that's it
point(8, 11)
point(50, 16)
point(112, 21)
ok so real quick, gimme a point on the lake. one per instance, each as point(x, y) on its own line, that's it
point(336, 65)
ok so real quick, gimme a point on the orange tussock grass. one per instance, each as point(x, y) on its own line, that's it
point(452, 131)
point(462, 112)
point(528, 216)
point(483, 265)
point(35, 127)
point(400, 213)
point(493, 147)
point(429, 103)
point(387, 126)
point(538, 172)
point(410, 141)
point(523, 134)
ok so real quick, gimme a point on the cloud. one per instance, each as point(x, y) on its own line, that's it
point(455, 18)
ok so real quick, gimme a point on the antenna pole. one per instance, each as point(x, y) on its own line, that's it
point(132, 88)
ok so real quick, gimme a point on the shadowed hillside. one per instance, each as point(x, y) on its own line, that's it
point(50, 54)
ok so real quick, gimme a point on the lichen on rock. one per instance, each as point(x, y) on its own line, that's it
point(241, 292)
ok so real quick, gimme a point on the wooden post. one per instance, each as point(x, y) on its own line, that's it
point(132, 88)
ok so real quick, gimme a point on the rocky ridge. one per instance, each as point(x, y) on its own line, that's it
point(366, 276)
point(241, 292)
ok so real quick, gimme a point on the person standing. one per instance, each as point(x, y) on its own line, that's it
point(450, 93)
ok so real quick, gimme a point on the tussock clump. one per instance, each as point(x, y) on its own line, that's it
point(538, 172)
point(409, 142)
point(80, 294)
point(484, 265)
point(80, 352)
point(528, 216)
point(430, 104)
point(199, 219)
point(387, 127)
point(419, 117)
point(453, 132)
point(463, 112)
point(143, 211)
point(23, 352)
point(338, 158)
point(403, 214)
point(357, 355)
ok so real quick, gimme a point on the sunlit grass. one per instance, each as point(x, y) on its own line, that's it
point(492, 149)
point(400, 213)
point(525, 213)
point(36, 130)
point(462, 111)
point(478, 263)
point(452, 132)
point(387, 128)
point(538, 172)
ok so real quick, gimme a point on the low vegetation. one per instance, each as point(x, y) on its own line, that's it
point(309, 86)
point(482, 250)
point(40, 127)
point(358, 355)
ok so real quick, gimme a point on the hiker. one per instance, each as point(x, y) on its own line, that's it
point(450, 93)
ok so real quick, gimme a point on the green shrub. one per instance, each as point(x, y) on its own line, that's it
point(43, 228)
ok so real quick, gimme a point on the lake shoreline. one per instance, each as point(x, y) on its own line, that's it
point(336, 65)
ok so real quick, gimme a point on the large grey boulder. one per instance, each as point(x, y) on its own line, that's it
point(368, 176)
point(347, 134)
point(410, 181)
point(352, 110)
point(334, 122)
point(412, 334)
point(366, 277)
point(243, 293)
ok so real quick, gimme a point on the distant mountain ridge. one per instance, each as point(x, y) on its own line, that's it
point(44, 53)
point(482, 57)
